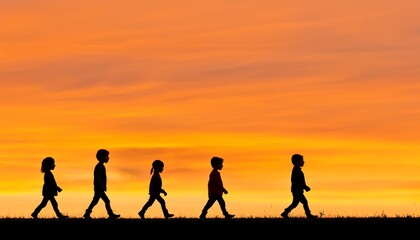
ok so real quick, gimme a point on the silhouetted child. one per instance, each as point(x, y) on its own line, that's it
point(50, 189)
point(155, 189)
point(298, 188)
point(216, 189)
point(99, 185)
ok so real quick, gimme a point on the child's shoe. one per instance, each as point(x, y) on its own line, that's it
point(141, 214)
point(311, 216)
point(87, 214)
point(285, 215)
point(61, 216)
point(114, 216)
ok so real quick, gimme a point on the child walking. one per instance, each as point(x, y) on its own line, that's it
point(155, 189)
point(99, 185)
point(50, 189)
point(216, 189)
point(298, 188)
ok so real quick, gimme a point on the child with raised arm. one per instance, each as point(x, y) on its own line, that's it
point(298, 188)
point(50, 189)
point(99, 186)
point(155, 189)
point(216, 189)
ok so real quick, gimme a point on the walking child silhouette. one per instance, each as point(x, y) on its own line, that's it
point(155, 189)
point(298, 188)
point(50, 189)
point(100, 186)
point(216, 189)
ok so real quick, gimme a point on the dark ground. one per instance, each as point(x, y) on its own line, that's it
point(190, 228)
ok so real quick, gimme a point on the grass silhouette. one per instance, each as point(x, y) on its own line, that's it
point(195, 228)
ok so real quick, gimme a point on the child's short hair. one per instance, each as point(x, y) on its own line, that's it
point(215, 161)
point(296, 158)
point(101, 153)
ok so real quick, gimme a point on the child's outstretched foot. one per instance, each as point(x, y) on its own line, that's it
point(87, 215)
point(141, 215)
point(285, 215)
point(229, 216)
point(62, 216)
point(34, 215)
point(169, 215)
point(311, 216)
point(114, 216)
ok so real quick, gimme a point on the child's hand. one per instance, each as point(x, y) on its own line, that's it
point(225, 191)
point(164, 192)
point(59, 189)
point(308, 189)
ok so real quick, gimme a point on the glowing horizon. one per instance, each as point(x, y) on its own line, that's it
point(250, 81)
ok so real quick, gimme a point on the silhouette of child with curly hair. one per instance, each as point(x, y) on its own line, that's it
point(50, 189)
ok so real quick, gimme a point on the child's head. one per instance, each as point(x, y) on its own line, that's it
point(47, 164)
point(216, 162)
point(157, 165)
point(297, 159)
point(102, 155)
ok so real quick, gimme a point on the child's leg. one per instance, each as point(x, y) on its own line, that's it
point(208, 205)
point(40, 207)
point(56, 210)
point(163, 206)
point(146, 206)
point(222, 204)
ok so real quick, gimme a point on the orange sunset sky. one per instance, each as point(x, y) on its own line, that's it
point(252, 81)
